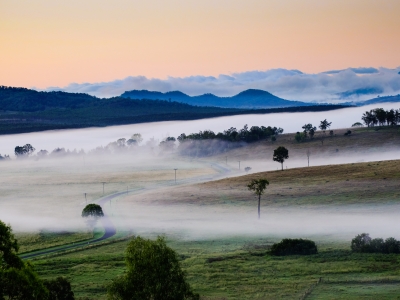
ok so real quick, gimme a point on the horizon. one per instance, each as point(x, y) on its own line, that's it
point(76, 44)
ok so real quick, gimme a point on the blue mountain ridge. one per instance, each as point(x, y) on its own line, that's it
point(250, 98)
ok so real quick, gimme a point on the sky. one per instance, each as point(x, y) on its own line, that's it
point(47, 43)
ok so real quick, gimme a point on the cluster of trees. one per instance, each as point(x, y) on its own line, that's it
point(18, 279)
point(363, 243)
point(207, 142)
point(255, 133)
point(294, 247)
point(381, 117)
point(309, 130)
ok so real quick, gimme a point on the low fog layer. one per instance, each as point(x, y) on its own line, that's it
point(336, 85)
point(91, 138)
point(202, 222)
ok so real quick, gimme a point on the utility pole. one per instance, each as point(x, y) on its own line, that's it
point(127, 190)
point(308, 156)
point(103, 186)
point(175, 175)
point(239, 164)
point(85, 199)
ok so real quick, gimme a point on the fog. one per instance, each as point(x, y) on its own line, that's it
point(90, 138)
point(49, 193)
point(202, 222)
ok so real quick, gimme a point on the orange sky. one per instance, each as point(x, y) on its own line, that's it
point(53, 42)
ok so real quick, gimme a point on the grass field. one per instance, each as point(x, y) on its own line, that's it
point(226, 261)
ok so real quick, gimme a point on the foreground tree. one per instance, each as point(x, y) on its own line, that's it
point(258, 186)
point(153, 273)
point(280, 154)
point(18, 280)
point(59, 289)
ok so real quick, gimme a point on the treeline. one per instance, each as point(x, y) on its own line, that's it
point(363, 243)
point(381, 117)
point(207, 142)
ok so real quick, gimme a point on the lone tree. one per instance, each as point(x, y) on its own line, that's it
point(153, 272)
point(91, 213)
point(258, 186)
point(280, 154)
point(324, 125)
point(92, 210)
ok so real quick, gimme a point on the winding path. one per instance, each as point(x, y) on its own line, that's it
point(109, 228)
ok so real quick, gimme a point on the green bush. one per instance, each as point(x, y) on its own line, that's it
point(294, 247)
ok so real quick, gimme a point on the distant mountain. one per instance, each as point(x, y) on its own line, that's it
point(377, 100)
point(25, 110)
point(246, 99)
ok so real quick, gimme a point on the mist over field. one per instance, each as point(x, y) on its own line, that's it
point(91, 138)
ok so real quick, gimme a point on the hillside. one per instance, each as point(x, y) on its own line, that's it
point(24, 110)
point(247, 99)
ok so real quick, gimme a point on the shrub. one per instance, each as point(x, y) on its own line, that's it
point(294, 247)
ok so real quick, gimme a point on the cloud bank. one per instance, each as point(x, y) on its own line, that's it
point(350, 84)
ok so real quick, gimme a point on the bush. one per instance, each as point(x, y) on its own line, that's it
point(294, 247)
point(363, 243)
point(348, 132)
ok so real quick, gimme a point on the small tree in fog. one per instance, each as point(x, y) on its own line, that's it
point(247, 169)
point(258, 186)
point(280, 154)
point(91, 213)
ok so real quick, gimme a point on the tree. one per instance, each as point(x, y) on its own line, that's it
point(309, 129)
point(324, 125)
point(280, 154)
point(91, 213)
point(153, 272)
point(247, 169)
point(258, 186)
point(18, 280)
point(59, 289)
point(25, 150)
point(92, 210)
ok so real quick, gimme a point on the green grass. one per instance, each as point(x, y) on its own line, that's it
point(353, 291)
point(236, 268)
point(46, 239)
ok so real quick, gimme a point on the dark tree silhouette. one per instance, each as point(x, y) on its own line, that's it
point(280, 154)
point(153, 272)
point(324, 125)
point(59, 289)
point(92, 210)
point(25, 150)
point(258, 186)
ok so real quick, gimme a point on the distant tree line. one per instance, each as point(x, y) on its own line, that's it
point(363, 243)
point(381, 117)
point(207, 142)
